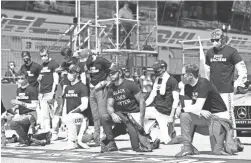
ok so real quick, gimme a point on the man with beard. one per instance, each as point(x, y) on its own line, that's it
point(98, 68)
point(75, 102)
point(223, 60)
point(164, 98)
point(205, 102)
point(123, 97)
point(48, 80)
point(30, 69)
point(127, 73)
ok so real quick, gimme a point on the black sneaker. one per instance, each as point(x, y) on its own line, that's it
point(48, 138)
point(111, 146)
point(185, 151)
point(240, 146)
point(156, 143)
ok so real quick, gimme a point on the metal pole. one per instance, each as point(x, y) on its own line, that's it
point(96, 23)
point(137, 17)
point(163, 14)
point(117, 25)
point(79, 36)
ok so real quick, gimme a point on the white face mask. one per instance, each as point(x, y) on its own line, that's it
point(216, 44)
point(12, 67)
point(45, 59)
point(70, 77)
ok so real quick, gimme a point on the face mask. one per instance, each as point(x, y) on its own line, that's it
point(70, 77)
point(27, 61)
point(12, 67)
point(216, 44)
point(45, 59)
point(22, 83)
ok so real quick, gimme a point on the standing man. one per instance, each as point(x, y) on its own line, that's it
point(48, 80)
point(75, 102)
point(123, 97)
point(98, 68)
point(127, 74)
point(223, 60)
point(30, 69)
point(164, 99)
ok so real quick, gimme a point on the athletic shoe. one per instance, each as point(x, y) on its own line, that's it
point(48, 137)
point(54, 137)
point(111, 146)
point(240, 146)
point(71, 145)
point(156, 143)
point(185, 151)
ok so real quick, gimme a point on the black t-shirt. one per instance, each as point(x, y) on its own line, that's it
point(73, 95)
point(26, 95)
point(31, 72)
point(204, 89)
point(124, 96)
point(222, 65)
point(98, 69)
point(163, 103)
point(47, 80)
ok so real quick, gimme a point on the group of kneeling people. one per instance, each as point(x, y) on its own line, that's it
point(202, 110)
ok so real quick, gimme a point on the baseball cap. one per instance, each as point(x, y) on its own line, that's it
point(159, 64)
point(216, 34)
point(25, 54)
point(74, 68)
point(114, 68)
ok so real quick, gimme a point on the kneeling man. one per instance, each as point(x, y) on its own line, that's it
point(205, 102)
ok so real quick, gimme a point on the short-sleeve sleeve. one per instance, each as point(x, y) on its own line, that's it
point(174, 84)
point(236, 58)
point(105, 63)
point(133, 87)
point(109, 94)
point(207, 58)
point(204, 88)
point(83, 91)
point(54, 66)
point(38, 68)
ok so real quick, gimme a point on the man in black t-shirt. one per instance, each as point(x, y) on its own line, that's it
point(98, 68)
point(222, 61)
point(205, 101)
point(75, 102)
point(164, 98)
point(30, 69)
point(24, 110)
point(124, 96)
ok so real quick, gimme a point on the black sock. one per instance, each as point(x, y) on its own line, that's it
point(106, 141)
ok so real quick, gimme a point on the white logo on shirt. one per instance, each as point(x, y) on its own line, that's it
point(45, 69)
point(218, 58)
point(29, 73)
point(194, 95)
point(71, 93)
point(94, 70)
point(21, 96)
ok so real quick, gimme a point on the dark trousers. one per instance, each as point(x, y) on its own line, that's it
point(191, 123)
point(127, 27)
point(120, 129)
point(21, 125)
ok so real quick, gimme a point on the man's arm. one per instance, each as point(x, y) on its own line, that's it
point(83, 106)
point(110, 103)
point(32, 106)
point(242, 74)
point(175, 102)
point(195, 108)
point(142, 106)
point(55, 82)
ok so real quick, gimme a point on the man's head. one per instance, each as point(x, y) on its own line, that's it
point(159, 67)
point(26, 57)
point(84, 53)
point(73, 73)
point(67, 54)
point(115, 73)
point(21, 80)
point(126, 5)
point(217, 38)
point(190, 73)
point(126, 72)
point(44, 54)
point(11, 65)
point(144, 70)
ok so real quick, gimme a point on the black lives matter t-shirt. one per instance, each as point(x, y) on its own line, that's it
point(31, 72)
point(73, 95)
point(47, 80)
point(98, 69)
point(26, 95)
point(124, 96)
point(222, 65)
point(163, 103)
point(204, 89)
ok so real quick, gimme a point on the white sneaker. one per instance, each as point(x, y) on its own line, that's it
point(54, 137)
point(71, 145)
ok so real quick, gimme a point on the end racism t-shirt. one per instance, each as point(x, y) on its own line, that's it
point(204, 89)
point(73, 95)
point(31, 72)
point(222, 65)
point(26, 95)
point(124, 96)
point(98, 69)
point(47, 80)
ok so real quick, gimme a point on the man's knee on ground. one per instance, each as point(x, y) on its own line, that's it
point(14, 125)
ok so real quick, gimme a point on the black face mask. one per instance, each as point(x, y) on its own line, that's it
point(27, 61)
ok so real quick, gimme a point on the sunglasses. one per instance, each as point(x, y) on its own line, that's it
point(215, 40)
point(113, 73)
point(45, 55)
point(12, 65)
point(20, 78)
